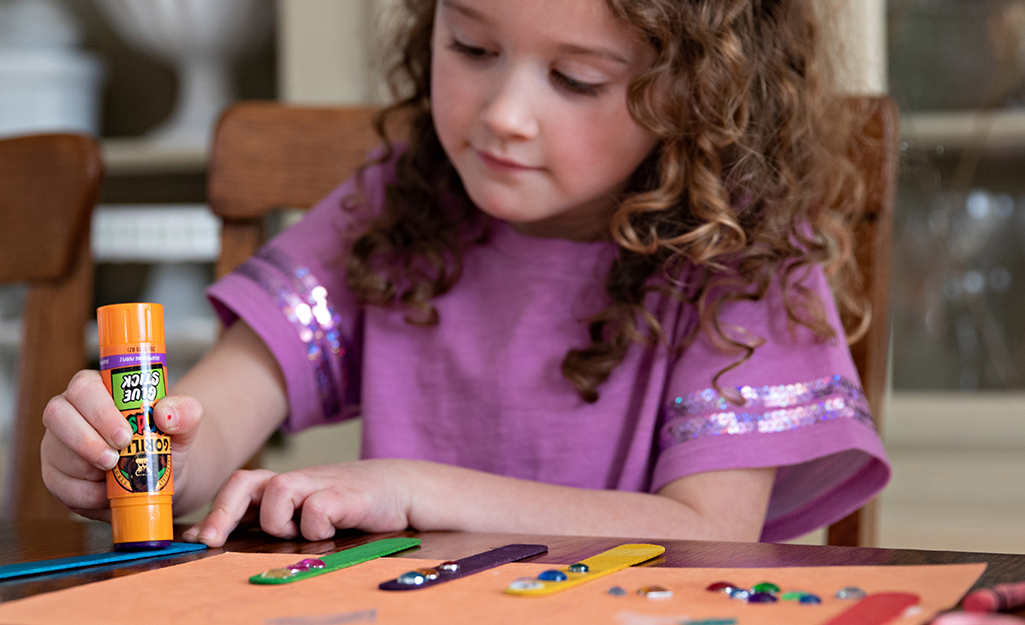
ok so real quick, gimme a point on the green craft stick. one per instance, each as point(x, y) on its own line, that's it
point(339, 560)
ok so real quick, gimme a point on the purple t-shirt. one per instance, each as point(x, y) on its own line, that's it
point(483, 389)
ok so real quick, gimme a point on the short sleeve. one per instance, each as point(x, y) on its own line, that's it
point(293, 294)
point(804, 412)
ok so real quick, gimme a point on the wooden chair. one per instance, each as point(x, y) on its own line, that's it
point(266, 156)
point(49, 185)
point(875, 152)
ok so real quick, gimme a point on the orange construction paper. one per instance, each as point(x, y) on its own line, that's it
point(216, 590)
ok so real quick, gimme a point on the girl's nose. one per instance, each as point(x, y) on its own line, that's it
point(510, 112)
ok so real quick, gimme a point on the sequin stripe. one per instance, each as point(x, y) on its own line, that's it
point(767, 409)
point(289, 302)
point(319, 314)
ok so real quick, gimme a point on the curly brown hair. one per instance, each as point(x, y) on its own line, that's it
point(751, 180)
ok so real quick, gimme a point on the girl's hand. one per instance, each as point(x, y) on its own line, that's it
point(370, 495)
point(85, 431)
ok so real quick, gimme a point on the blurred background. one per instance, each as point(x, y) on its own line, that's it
point(150, 76)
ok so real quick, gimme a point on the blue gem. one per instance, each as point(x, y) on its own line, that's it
point(411, 578)
point(761, 597)
point(552, 575)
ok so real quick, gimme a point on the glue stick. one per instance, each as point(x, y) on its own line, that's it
point(134, 370)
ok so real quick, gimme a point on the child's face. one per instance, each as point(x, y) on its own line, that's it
point(529, 102)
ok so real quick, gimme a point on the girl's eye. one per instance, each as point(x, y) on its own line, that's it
point(575, 86)
point(469, 51)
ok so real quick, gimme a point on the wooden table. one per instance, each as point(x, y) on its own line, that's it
point(21, 542)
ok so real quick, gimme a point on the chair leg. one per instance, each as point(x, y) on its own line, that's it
point(54, 318)
point(857, 529)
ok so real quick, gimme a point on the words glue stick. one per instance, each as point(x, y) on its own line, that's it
point(134, 369)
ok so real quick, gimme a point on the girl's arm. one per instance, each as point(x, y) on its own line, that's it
point(391, 495)
point(241, 401)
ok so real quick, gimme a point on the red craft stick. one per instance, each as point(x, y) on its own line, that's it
point(875, 609)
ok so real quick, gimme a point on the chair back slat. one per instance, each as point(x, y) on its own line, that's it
point(49, 185)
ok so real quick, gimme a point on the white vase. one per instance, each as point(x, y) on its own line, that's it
point(202, 39)
point(47, 82)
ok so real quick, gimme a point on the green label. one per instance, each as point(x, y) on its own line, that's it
point(136, 387)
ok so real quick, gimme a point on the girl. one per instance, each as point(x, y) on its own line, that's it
point(586, 296)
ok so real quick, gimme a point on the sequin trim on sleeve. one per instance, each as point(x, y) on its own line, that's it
point(304, 301)
point(766, 409)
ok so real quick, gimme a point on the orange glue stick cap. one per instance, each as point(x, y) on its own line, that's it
point(144, 522)
point(127, 324)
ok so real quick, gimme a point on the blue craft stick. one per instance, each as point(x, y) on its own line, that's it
point(41, 567)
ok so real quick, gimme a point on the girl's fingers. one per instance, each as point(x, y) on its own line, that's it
point(178, 416)
point(283, 495)
point(243, 488)
point(71, 478)
point(327, 510)
point(96, 514)
point(59, 459)
point(364, 495)
point(90, 398)
point(65, 423)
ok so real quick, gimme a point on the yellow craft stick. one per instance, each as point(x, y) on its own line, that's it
point(605, 563)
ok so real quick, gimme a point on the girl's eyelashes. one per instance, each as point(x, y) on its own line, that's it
point(472, 52)
point(571, 85)
point(576, 86)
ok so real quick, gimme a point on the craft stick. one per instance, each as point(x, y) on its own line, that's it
point(875, 609)
point(592, 568)
point(41, 567)
point(318, 565)
point(454, 569)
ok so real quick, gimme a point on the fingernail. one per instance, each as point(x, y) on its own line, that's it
point(108, 459)
point(206, 536)
point(190, 534)
point(122, 436)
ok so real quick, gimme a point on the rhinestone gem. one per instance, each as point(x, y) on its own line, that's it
point(417, 577)
point(723, 587)
point(525, 583)
point(850, 592)
point(579, 567)
point(616, 591)
point(655, 592)
point(449, 566)
point(278, 574)
point(768, 587)
point(761, 597)
point(809, 598)
point(552, 575)
point(739, 594)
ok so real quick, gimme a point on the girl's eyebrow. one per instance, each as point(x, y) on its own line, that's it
point(566, 48)
point(469, 12)
point(600, 52)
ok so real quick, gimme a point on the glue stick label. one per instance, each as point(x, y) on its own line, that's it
point(137, 382)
